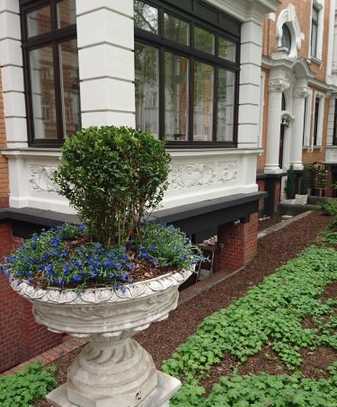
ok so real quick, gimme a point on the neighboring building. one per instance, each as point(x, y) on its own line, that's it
point(298, 107)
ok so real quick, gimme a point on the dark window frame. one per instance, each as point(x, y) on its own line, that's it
point(54, 38)
point(163, 44)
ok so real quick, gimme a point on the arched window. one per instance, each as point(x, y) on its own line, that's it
point(286, 37)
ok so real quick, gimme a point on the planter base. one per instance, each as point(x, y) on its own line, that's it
point(160, 397)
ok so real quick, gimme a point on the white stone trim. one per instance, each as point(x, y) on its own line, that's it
point(331, 121)
point(308, 119)
point(111, 43)
point(262, 109)
point(321, 113)
point(321, 6)
point(196, 175)
point(332, 18)
point(288, 16)
point(11, 64)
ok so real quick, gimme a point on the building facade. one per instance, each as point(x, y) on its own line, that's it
point(298, 95)
point(241, 92)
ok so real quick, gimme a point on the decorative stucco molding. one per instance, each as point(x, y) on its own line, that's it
point(278, 85)
point(288, 16)
point(301, 92)
point(100, 295)
point(195, 174)
point(41, 178)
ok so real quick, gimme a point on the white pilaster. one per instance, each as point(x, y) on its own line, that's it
point(301, 92)
point(105, 35)
point(12, 74)
point(276, 88)
point(250, 84)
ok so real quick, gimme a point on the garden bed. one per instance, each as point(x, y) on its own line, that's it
point(164, 338)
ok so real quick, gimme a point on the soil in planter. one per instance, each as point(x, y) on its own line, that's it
point(162, 339)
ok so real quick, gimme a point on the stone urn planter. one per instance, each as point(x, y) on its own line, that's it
point(112, 369)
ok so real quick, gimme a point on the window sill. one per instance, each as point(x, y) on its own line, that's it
point(313, 148)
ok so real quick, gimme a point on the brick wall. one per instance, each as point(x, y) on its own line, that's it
point(20, 337)
point(237, 244)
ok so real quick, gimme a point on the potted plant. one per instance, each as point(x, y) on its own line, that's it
point(112, 276)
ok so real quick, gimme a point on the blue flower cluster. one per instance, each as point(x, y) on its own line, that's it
point(66, 257)
point(50, 259)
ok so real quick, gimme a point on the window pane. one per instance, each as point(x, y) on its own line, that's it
point(176, 97)
point(226, 99)
point(314, 35)
point(315, 14)
point(70, 87)
point(146, 17)
point(227, 49)
point(66, 13)
point(286, 37)
point(176, 29)
point(203, 102)
point(43, 93)
point(39, 21)
point(204, 40)
point(147, 88)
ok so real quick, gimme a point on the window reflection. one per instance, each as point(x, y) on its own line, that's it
point(176, 97)
point(203, 102)
point(43, 93)
point(226, 99)
point(147, 88)
point(146, 17)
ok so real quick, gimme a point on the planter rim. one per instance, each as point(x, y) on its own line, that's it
point(101, 295)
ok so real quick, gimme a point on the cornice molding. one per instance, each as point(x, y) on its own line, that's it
point(246, 10)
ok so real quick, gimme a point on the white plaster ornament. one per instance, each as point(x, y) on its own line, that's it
point(113, 369)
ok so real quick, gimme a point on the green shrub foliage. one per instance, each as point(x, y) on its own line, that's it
point(26, 387)
point(329, 207)
point(113, 177)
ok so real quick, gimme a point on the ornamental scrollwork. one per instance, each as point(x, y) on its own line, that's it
point(41, 178)
point(187, 175)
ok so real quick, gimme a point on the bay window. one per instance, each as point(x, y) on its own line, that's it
point(51, 70)
point(187, 71)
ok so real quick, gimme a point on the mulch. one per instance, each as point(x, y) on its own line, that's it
point(163, 338)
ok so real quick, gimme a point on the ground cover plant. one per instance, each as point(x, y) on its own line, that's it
point(272, 314)
point(24, 388)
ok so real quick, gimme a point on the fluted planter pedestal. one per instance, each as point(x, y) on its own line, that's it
point(113, 369)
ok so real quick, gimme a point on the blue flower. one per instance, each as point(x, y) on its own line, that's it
point(66, 269)
point(82, 228)
point(49, 269)
point(108, 263)
point(77, 278)
point(55, 241)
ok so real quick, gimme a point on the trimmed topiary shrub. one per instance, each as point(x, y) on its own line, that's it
point(113, 177)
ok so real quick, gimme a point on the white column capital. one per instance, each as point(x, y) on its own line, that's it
point(278, 85)
point(301, 92)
